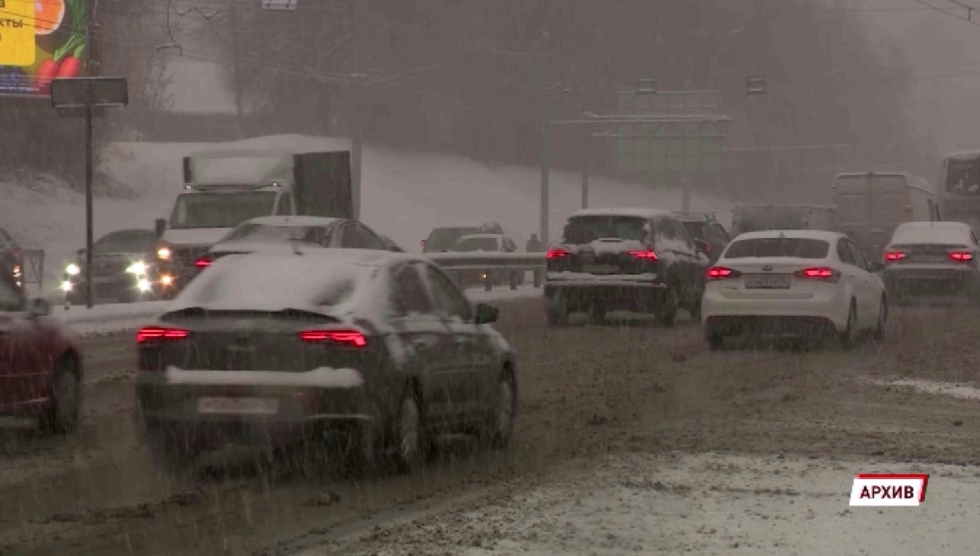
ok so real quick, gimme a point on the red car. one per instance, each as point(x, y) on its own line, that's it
point(40, 365)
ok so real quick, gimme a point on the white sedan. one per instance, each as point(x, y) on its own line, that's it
point(793, 282)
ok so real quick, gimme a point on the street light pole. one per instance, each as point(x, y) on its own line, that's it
point(357, 124)
point(89, 216)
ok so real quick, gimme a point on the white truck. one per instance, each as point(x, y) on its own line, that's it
point(223, 189)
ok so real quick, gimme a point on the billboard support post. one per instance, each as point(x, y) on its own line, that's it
point(87, 94)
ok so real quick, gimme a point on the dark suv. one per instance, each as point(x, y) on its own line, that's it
point(442, 238)
point(705, 227)
point(640, 260)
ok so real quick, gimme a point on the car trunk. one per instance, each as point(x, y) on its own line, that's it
point(765, 278)
point(927, 253)
point(604, 256)
point(248, 341)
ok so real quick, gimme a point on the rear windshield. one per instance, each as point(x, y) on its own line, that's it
point(931, 235)
point(696, 229)
point(477, 244)
point(276, 234)
point(586, 229)
point(444, 238)
point(801, 248)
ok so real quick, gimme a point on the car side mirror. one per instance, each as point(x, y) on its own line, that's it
point(702, 245)
point(876, 267)
point(160, 226)
point(485, 314)
point(38, 307)
point(80, 252)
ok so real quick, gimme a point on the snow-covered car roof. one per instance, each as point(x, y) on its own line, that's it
point(967, 154)
point(481, 236)
point(466, 225)
point(272, 281)
point(634, 212)
point(266, 246)
point(694, 216)
point(293, 221)
point(793, 234)
point(932, 232)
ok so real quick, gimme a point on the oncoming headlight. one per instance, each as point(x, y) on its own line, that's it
point(138, 268)
point(72, 269)
point(163, 253)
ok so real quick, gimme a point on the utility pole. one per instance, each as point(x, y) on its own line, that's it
point(237, 68)
point(357, 123)
point(545, 152)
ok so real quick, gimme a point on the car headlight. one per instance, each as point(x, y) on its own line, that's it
point(72, 269)
point(66, 286)
point(138, 268)
point(164, 253)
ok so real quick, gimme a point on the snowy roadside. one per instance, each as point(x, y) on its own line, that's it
point(120, 317)
point(703, 504)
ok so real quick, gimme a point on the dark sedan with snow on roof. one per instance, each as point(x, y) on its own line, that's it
point(372, 353)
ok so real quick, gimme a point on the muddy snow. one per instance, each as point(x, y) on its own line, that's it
point(704, 504)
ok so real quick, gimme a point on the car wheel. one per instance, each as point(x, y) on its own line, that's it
point(62, 416)
point(668, 307)
point(412, 446)
point(557, 311)
point(500, 426)
point(879, 333)
point(848, 338)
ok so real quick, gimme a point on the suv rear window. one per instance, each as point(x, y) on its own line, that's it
point(586, 229)
point(801, 248)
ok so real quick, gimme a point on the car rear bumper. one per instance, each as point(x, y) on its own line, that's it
point(931, 279)
point(621, 293)
point(303, 412)
point(829, 305)
point(771, 325)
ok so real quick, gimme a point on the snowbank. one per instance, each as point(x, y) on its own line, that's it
point(404, 195)
point(695, 504)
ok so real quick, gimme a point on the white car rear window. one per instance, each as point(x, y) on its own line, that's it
point(800, 248)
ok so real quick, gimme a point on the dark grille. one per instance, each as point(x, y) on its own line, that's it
point(185, 256)
point(109, 267)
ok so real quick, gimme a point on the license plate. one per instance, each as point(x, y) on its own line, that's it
point(929, 259)
point(767, 282)
point(246, 406)
point(600, 269)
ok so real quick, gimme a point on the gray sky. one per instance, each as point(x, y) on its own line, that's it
point(945, 54)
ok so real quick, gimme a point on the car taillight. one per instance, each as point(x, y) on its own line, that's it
point(350, 338)
point(148, 333)
point(891, 256)
point(961, 256)
point(644, 254)
point(822, 273)
point(721, 273)
point(556, 254)
point(203, 262)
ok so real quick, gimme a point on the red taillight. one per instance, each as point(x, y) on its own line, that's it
point(819, 273)
point(556, 254)
point(350, 338)
point(148, 333)
point(961, 256)
point(203, 262)
point(644, 254)
point(892, 256)
point(721, 273)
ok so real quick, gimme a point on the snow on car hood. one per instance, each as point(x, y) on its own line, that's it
point(194, 236)
point(322, 377)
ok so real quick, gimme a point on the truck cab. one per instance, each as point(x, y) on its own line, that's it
point(224, 189)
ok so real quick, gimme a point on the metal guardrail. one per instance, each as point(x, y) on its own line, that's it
point(488, 267)
point(34, 263)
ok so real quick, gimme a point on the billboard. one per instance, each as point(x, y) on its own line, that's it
point(39, 41)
